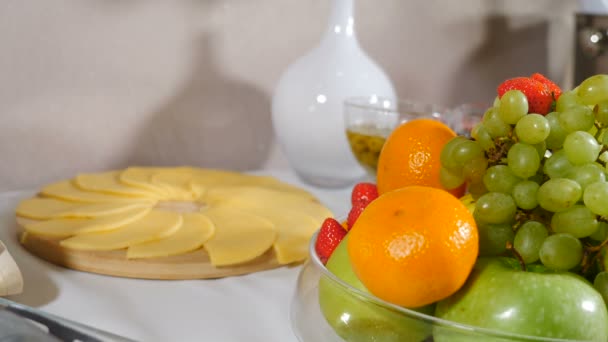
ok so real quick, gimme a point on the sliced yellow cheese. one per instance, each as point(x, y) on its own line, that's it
point(155, 225)
point(47, 208)
point(179, 183)
point(66, 190)
point(239, 236)
point(209, 178)
point(275, 184)
point(43, 208)
point(252, 195)
point(294, 229)
point(108, 182)
point(194, 231)
point(141, 177)
point(65, 227)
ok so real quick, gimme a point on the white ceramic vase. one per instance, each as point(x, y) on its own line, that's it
point(307, 106)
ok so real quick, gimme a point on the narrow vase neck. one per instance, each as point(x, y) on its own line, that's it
point(341, 19)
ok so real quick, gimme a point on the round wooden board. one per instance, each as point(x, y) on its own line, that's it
point(193, 265)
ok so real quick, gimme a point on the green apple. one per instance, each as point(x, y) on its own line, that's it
point(354, 317)
point(499, 295)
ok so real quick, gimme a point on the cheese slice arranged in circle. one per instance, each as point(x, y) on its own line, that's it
point(49, 208)
point(141, 177)
point(210, 178)
point(43, 208)
point(252, 195)
point(207, 178)
point(179, 183)
point(239, 236)
point(109, 182)
point(294, 230)
point(195, 230)
point(148, 212)
point(65, 227)
point(67, 191)
point(155, 225)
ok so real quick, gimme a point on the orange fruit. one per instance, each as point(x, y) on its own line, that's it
point(410, 156)
point(414, 246)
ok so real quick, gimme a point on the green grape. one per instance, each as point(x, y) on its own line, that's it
point(447, 154)
point(477, 189)
point(586, 174)
point(601, 233)
point(601, 113)
point(513, 106)
point(523, 160)
point(557, 133)
point(496, 102)
point(593, 90)
point(541, 149)
point(604, 138)
point(600, 283)
point(577, 118)
point(449, 179)
point(558, 165)
point(561, 252)
point(566, 100)
point(603, 157)
point(558, 194)
point(481, 135)
point(495, 207)
point(596, 198)
point(499, 178)
point(524, 194)
point(593, 130)
point(475, 169)
point(466, 151)
point(577, 221)
point(494, 125)
point(581, 148)
point(532, 129)
point(528, 240)
point(493, 238)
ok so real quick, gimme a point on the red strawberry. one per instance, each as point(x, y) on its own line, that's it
point(354, 213)
point(330, 235)
point(364, 192)
point(553, 88)
point(539, 96)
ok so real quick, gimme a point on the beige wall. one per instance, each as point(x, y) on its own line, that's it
point(96, 84)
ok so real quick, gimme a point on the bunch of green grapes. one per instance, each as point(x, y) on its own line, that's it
point(540, 182)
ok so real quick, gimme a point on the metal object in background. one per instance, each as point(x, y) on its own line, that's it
point(21, 323)
point(591, 46)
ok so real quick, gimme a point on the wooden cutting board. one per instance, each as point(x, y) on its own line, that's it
point(193, 265)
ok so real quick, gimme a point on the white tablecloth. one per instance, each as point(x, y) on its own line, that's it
point(252, 307)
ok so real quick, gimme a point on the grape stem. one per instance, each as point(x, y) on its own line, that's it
point(598, 134)
point(498, 154)
point(598, 247)
point(521, 261)
point(595, 250)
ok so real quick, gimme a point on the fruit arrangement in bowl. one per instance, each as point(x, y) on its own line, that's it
point(500, 236)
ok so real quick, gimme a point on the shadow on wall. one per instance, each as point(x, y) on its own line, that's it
point(213, 121)
point(504, 53)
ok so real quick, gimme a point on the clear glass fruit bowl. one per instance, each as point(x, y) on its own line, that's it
point(369, 120)
point(359, 316)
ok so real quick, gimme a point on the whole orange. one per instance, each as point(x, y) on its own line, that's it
point(410, 156)
point(414, 246)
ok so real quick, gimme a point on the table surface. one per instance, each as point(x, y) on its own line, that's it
point(253, 307)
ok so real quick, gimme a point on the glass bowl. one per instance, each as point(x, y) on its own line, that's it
point(369, 120)
point(464, 117)
point(359, 316)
